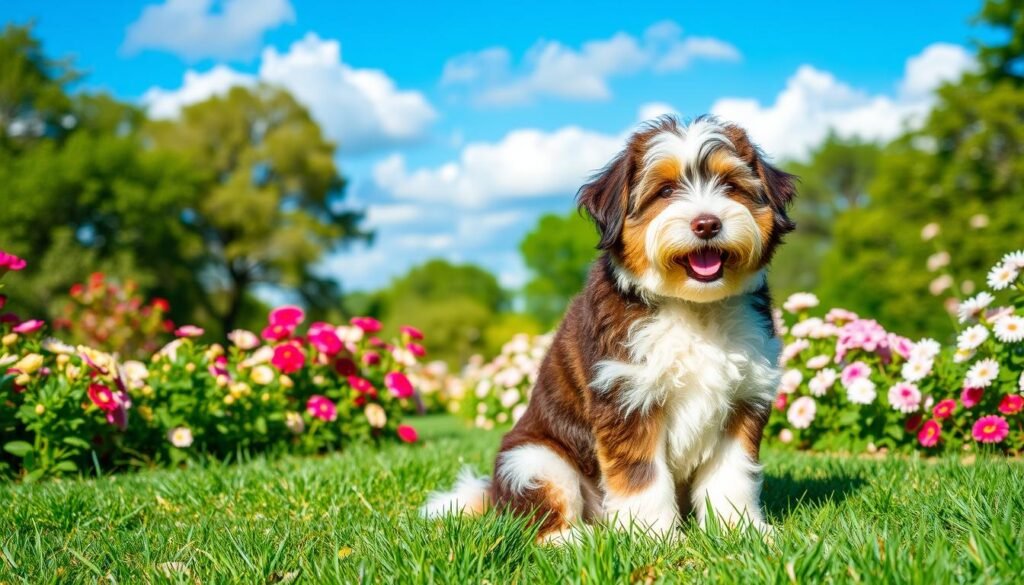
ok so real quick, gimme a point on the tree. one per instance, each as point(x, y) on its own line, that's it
point(558, 252)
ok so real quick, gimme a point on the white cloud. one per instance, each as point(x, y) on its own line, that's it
point(814, 102)
point(195, 29)
point(525, 163)
point(361, 109)
point(552, 69)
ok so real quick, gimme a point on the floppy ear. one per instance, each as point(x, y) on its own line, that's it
point(779, 187)
point(605, 199)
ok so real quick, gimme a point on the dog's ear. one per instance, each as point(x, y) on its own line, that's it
point(605, 198)
point(778, 186)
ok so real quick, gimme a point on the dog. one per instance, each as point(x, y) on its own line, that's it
point(651, 402)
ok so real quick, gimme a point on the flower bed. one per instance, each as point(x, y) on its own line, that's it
point(496, 392)
point(66, 408)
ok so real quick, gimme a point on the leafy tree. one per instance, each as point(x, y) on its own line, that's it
point(558, 252)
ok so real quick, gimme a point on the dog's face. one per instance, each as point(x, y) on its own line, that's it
point(690, 212)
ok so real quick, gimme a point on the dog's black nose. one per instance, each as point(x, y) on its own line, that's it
point(706, 226)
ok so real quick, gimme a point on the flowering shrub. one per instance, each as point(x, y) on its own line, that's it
point(65, 408)
point(496, 392)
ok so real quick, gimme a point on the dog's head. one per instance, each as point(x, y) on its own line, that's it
point(692, 212)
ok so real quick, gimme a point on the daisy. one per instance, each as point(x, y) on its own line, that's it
point(904, 397)
point(1001, 276)
point(801, 412)
point(786, 436)
point(822, 382)
point(990, 429)
point(916, 369)
point(1014, 259)
point(982, 373)
point(972, 337)
point(925, 349)
point(791, 350)
point(937, 261)
point(790, 381)
point(800, 301)
point(972, 307)
point(817, 362)
point(1010, 329)
point(930, 433)
point(853, 372)
point(180, 437)
point(861, 391)
point(963, 355)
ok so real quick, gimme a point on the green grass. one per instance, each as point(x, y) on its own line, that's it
point(351, 517)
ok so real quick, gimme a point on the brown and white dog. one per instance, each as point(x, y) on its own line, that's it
point(652, 399)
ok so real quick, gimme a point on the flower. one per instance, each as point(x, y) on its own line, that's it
point(375, 415)
point(288, 316)
point(982, 373)
point(29, 364)
point(1011, 404)
point(366, 324)
point(822, 382)
point(787, 385)
point(861, 391)
point(325, 340)
point(188, 331)
point(294, 423)
point(1001, 276)
point(518, 412)
point(10, 262)
point(180, 437)
point(277, 332)
point(801, 412)
point(944, 409)
point(321, 407)
point(1009, 329)
point(1014, 259)
point(411, 332)
point(972, 337)
point(978, 221)
point(786, 436)
point(840, 316)
point(818, 362)
point(102, 397)
point(416, 349)
point(792, 349)
point(288, 358)
point(864, 334)
point(901, 345)
point(1020, 382)
point(800, 301)
point(398, 384)
point(925, 349)
point(407, 433)
point(972, 307)
point(963, 355)
point(904, 397)
point(30, 326)
point(929, 231)
point(940, 284)
point(938, 260)
point(244, 339)
point(781, 400)
point(54, 345)
point(118, 416)
point(916, 369)
point(3, 301)
point(262, 375)
point(990, 429)
point(971, 396)
point(344, 367)
point(929, 434)
point(854, 372)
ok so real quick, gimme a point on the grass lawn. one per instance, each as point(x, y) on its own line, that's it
point(351, 517)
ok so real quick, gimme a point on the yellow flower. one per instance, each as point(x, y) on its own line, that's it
point(29, 364)
point(146, 413)
point(265, 397)
point(286, 381)
point(40, 409)
point(9, 339)
point(23, 380)
point(190, 367)
point(229, 399)
point(62, 360)
point(147, 390)
point(239, 389)
point(262, 375)
point(72, 372)
point(222, 381)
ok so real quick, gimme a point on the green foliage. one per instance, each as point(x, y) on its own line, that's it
point(558, 252)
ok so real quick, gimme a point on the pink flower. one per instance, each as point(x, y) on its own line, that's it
point(904, 397)
point(321, 407)
point(1011, 404)
point(287, 316)
point(325, 340)
point(930, 433)
point(416, 349)
point(411, 332)
point(10, 262)
point(407, 434)
point(865, 334)
point(30, 326)
point(971, 396)
point(840, 316)
point(188, 331)
point(277, 332)
point(944, 409)
point(243, 339)
point(781, 400)
point(367, 324)
point(219, 366)
point(990, 429)
point(371, 358)
point(362, 386)
point(854, 372)
point(398, 384)
point(288, 358)
point(118, 415)
point(901, 345)
point(102, 397)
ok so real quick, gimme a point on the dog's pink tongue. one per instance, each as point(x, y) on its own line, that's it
point(706, 262)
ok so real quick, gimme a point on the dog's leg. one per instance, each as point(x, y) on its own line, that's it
point(532, 478)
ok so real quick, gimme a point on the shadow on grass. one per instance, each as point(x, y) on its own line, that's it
point(783, 491)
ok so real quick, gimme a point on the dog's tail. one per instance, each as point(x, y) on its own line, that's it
point(469, 496)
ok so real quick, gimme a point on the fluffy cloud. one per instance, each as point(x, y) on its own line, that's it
point(525, 163)
point(814, 103)
point(195, 29)
point(552, 69)
point(361, 109)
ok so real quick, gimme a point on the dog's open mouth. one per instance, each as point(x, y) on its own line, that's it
point(704, 265)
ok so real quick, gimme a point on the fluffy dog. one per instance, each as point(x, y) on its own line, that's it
point(651, 402)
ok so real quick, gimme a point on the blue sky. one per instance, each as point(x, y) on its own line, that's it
point(459, 123)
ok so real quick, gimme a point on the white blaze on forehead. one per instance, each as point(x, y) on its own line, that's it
point(690, 145)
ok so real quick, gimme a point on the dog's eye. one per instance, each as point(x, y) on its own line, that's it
point(666, 191)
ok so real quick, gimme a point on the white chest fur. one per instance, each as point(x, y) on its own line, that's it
point(696, 361)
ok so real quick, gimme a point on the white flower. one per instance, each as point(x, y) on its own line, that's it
point(940, 284)
point(916, 369)
point(790, 351)
point(978, 221)
point(260, 356)
point(819, 361)
point(483, 389)
point(518, 412)
point(510, 398)
point(904, 397)
point(375, 415)
point(509, 377)
point(1014, 259)
point(790, 381)
point(294, 422)
point(972, 307)
point(54, 345)
point(135, 373)
point(800, 301)
point(963, 355)
point(481, 408)
point(807, 328)
point(861, 391)
point(972, 337)
point(925, 349)
point(822, 382)
point(1009, 329)
point(1001, 276)
point(982, 373)
point(1020, 382)
point(348, 334)
point(929, 231)
point(938, 260)
point(403, 356)
point(180, 437)
point(786, 436)
point(243, 339)
point(801, 412)
point(262, 374)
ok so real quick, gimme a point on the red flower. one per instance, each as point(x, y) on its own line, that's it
point(1011, 404)
point(944, 409)
point(161, 304)
point(971, 396)
point(288, 316)
point(362, 386)
point(30, 326)
point(321, 407)
point(102, 397)
point(288, 358)
point(407, 434)
point(398, 384)
point(367, 324)
point(76, 290)
point(913, 422)
point(277, 332)
point(411, 331)
point(325, 340)
point(416, 349)
point(930, 434)
point(780, 401)
point(96, 280)
point(345, 367)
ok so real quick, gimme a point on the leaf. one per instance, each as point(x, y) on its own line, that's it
point(68, 466)
point(18, 448)
point(76, 442)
